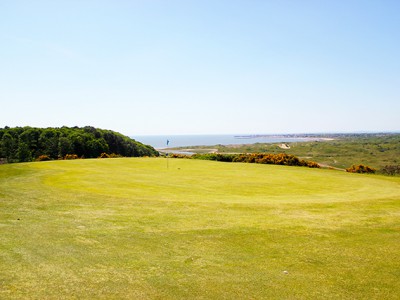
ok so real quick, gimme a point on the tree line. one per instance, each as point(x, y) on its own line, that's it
point(22, 144)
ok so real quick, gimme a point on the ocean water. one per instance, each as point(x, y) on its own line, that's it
point(160, 141)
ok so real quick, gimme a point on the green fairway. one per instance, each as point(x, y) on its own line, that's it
point(148, 228)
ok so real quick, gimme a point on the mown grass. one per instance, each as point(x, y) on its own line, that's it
point(133, 228)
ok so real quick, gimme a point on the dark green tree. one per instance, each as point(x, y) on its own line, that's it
point(24, 153)
point(9, 147)
point(27, 143)
point(64, 146)
point(48, 142)
point(30, 137)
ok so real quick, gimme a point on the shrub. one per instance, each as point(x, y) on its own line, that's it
point(71, 156)
point(259, 158)
point(177, 155)
point(311, 164)
point(43, 158)
point(390, 170)
point(360, 169)
point(215, 156)
point(112, 155)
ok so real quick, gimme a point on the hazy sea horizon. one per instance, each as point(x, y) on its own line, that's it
point(160, 141)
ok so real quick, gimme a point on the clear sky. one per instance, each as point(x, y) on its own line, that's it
point(201, 67)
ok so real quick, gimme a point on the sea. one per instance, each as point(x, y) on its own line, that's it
point(172, 141)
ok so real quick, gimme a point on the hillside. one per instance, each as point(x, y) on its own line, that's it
point(152, 228)
point(338, 150)
point(23, 144)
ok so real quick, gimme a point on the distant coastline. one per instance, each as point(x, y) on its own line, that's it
point(282, 136)
point(160, 141)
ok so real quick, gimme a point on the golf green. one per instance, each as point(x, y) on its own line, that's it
point(152, 228)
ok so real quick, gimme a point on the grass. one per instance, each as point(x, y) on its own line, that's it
point(131, 228)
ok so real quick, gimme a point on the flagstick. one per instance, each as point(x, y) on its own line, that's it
point(167, 155)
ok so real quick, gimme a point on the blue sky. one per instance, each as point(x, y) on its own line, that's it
point(201, 67)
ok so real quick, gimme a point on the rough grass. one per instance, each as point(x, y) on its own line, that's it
point(374, 150)
point(131, 228)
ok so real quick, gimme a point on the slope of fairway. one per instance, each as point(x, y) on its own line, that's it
point(152, 228)
point(205, 181)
